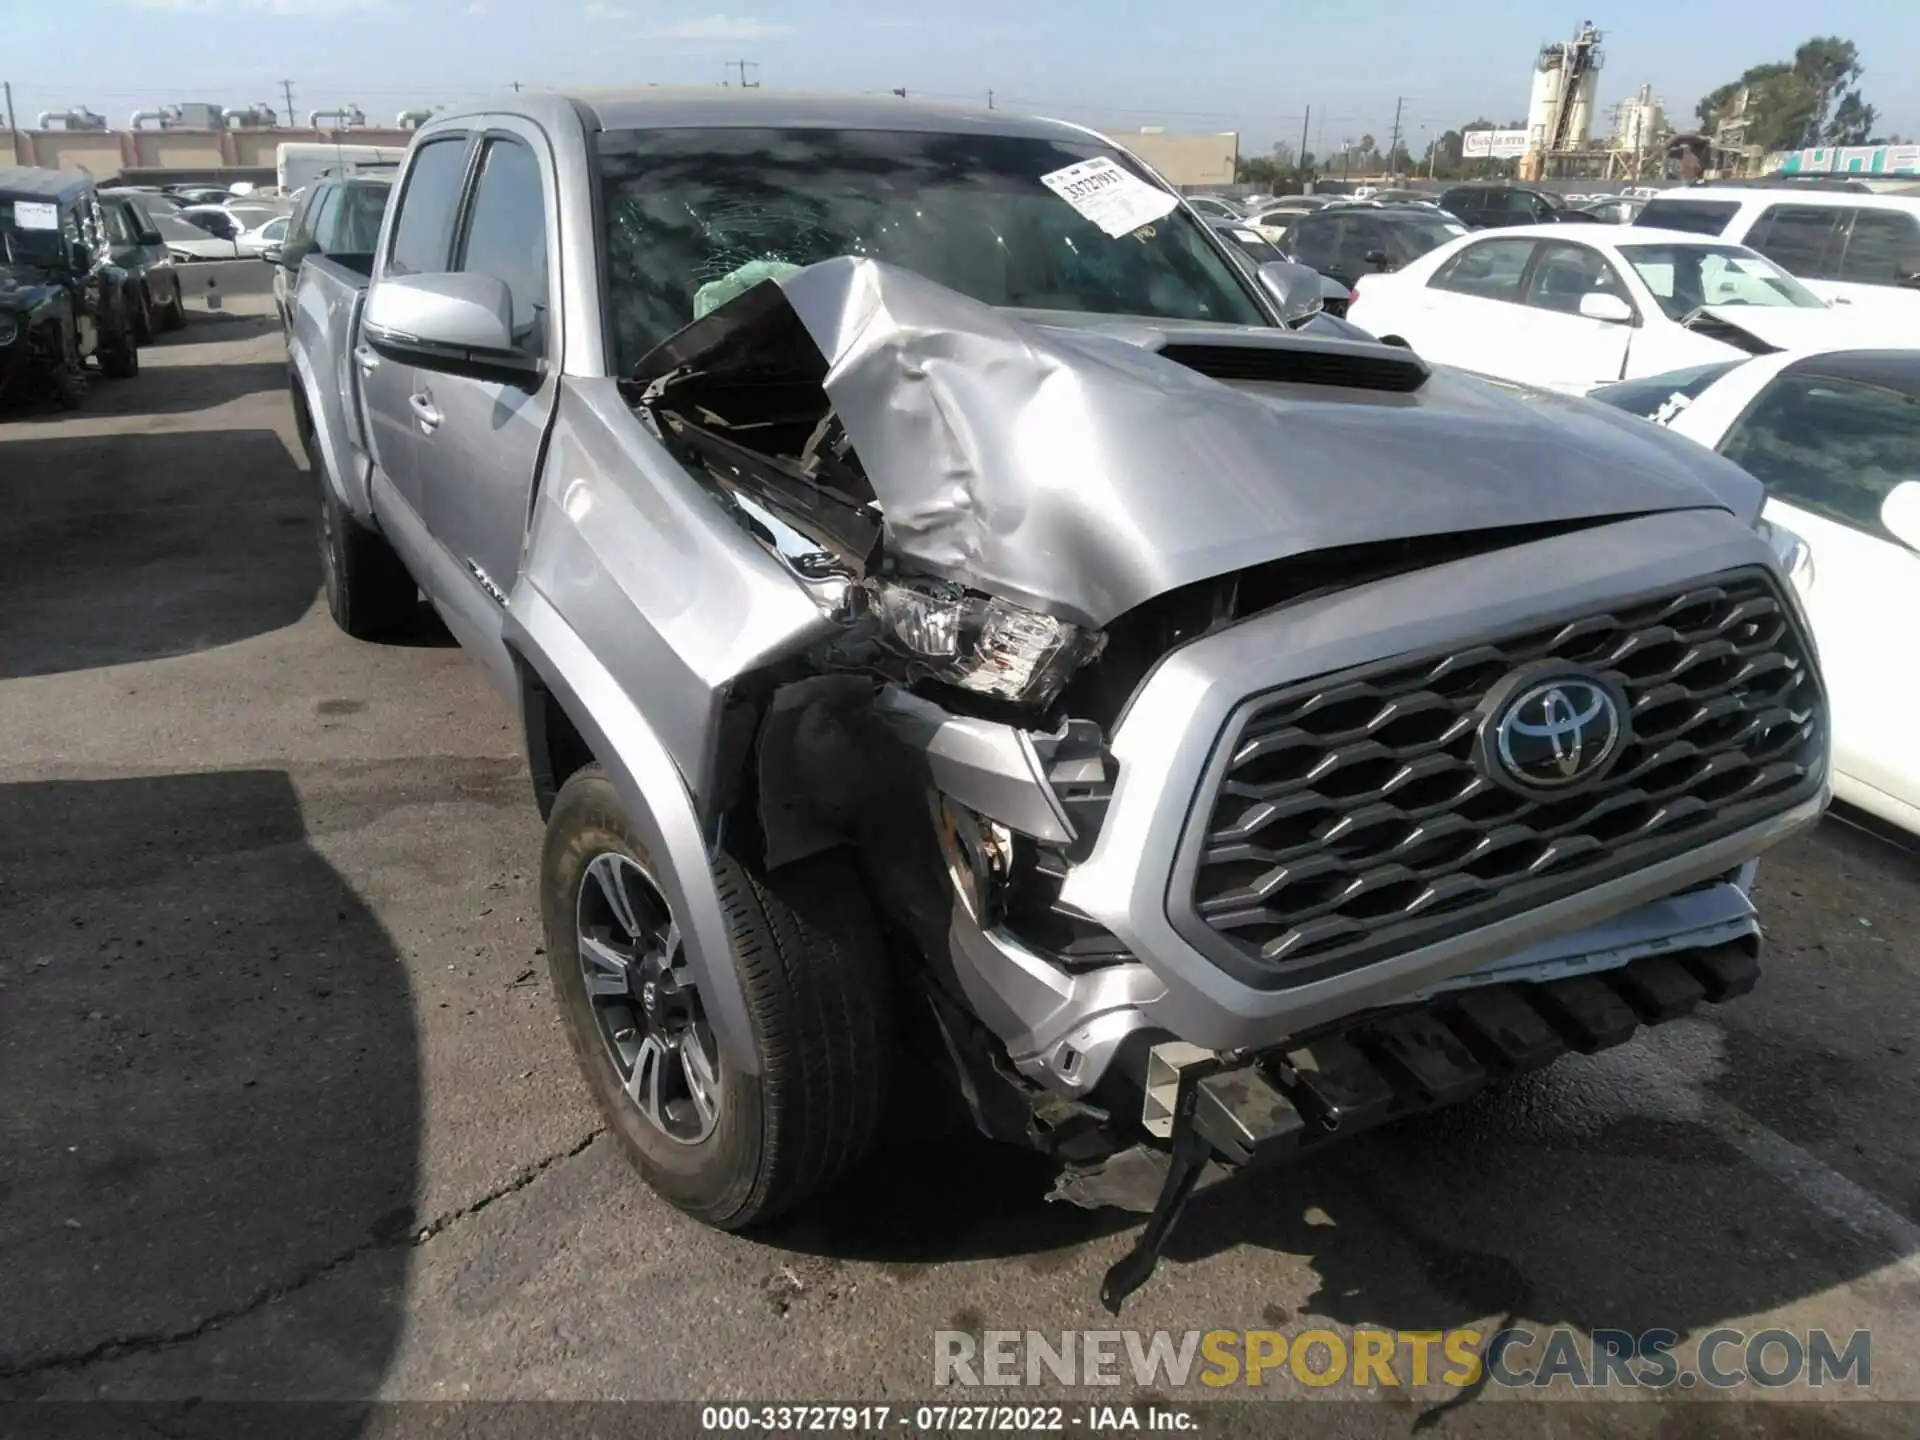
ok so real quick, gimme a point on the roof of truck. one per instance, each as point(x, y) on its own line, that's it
point(680, 107)
point(27, 180)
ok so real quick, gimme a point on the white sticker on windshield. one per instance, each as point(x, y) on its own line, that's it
point(36, 215)
point(1114, 198)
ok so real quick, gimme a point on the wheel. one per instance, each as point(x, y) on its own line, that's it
point(140, 309)
point(67, 381)
point(728, 1148)
point(369, 592)
point(120, 358)
point(68, 385)
point(174, 315)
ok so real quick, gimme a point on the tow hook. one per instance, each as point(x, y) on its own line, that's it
point(1209, 1108)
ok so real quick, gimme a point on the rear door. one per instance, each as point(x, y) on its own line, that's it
point(478, 461)
point(1829, 450)
point(419, 242)
point(1361, 235)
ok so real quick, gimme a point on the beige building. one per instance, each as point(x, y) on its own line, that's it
point(109, 152)
point(1190, 161)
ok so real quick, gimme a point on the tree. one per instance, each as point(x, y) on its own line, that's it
point(1812, 100)
point(1257, 170)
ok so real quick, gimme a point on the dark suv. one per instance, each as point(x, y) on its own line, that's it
point(62, 300)
point(1349, 241)
point(1489, 207)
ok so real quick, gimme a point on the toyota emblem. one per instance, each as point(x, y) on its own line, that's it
point(1556, 733)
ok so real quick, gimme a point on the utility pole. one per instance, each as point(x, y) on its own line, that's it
point(743, 66)
point(286, 89)
point(1393, 145)
point(1304, 119)
point(12, 129)
point(516, 87)
point(990, 99)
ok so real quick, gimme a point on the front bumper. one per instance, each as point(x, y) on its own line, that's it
point(1062, 1027)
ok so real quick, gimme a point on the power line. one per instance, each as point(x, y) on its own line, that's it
point(286, 88)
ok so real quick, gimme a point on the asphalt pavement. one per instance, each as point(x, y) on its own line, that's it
point(287, 1113)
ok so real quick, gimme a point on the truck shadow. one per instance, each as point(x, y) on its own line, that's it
point(1663, 1184)
point(126, 547)
point(213, 1096)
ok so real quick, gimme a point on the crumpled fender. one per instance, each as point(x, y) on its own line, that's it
point(658, 805)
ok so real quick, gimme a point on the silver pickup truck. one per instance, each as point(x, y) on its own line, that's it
point(979, 660)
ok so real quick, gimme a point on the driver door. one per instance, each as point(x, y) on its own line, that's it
point(1563, 349)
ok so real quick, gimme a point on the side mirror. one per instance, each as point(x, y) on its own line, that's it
point(273, 254)
point(1332, 292)
point(1598, 305)
point(1909, 271)
point(1293, 288)
point(1900, 513)
point(460, 324)
point(1379, 259)
point(83, 256)
point(151, 237)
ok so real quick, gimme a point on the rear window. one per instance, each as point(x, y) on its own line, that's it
point(1660, 398)
point(1696, 217)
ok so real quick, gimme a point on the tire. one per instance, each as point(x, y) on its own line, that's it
point(174, 315)
point(808, 958)
point(121, 361)
point(370, 595)
point(68, 386)
point(140, 310)
point(67, 382)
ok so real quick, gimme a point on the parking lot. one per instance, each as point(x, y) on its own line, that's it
point(289, 1113)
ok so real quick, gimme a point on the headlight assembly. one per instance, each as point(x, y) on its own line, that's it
point(980, 643)
point(1794, 554)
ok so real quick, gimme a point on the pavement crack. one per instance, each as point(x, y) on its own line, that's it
point(119, 1346)
point(519, 1180)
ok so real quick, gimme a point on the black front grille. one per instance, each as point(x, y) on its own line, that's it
point(1350, 821)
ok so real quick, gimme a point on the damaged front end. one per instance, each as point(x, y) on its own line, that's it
point(1066, 558)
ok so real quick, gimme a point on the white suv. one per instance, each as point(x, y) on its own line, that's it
point(1850, 248)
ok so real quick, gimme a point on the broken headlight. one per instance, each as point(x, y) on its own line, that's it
point(980, 643)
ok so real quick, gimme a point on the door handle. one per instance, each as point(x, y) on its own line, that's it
point(364, 357)
point(424, 413)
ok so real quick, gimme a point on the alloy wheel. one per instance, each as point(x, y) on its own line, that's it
point(644, 999)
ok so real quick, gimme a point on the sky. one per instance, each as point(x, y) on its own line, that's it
point(1255, 66)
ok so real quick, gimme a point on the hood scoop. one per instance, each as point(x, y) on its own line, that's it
point(1348, 364)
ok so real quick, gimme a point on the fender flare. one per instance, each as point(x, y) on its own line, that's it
point(659, 806)
point(300, 375)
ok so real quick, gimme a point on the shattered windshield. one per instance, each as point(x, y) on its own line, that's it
point(693, 211)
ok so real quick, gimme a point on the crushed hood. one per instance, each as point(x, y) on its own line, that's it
point(1786, 327)
point(1081, 469)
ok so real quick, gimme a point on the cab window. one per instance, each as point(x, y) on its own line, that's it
point(1490, 270)
point(1883, 247)
point(1565, 273)
point(423, 230)
point(507, 236)
point(1800, 239)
